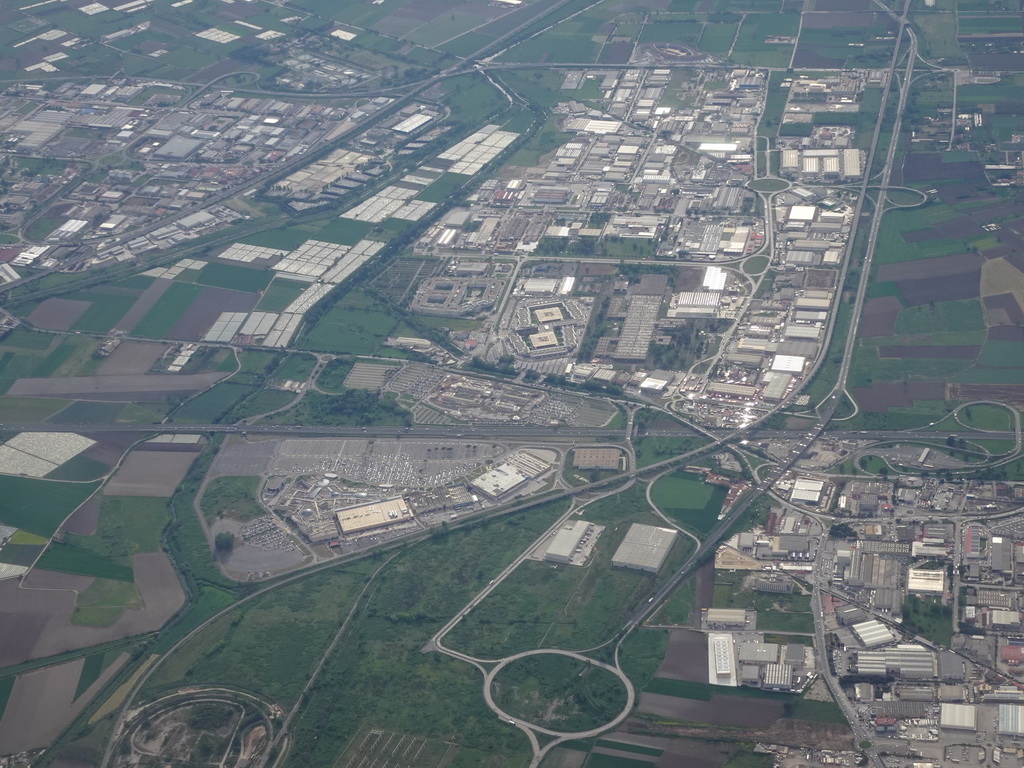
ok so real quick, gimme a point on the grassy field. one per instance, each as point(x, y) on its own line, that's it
point(650, 450)
point(103, 602)
point(986, 417)
point(751, 48)
point(559, 692)
point(128, 525)
point(332, 376)
point(929, 618)
point(295, 368)
point(21, 507)
point(688, 500)
point(270, 644)
point(233, 497)
point(642, 654)
point(355, 325)
point(104, 311)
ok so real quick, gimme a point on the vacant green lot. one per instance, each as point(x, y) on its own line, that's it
point(688, 500)
point(233, 497)
point(775, 612)
point(551, 605)
point(356, 325)
point(270, 644)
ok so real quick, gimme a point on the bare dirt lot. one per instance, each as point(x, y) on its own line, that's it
point(879, 398)
point(954, 352)
point(793, 733)
point(207, 308)
point(150, 473)
point(42, 702)
point(132, 357)
point(38, 621)
point(57, 314)
point(880, 316)
point(1003, 309)
point(39, 707)
point(39, 578)
point(721, 710)
point(142, 387)
point(676, 752)
point(686, 657)
point(83, 520)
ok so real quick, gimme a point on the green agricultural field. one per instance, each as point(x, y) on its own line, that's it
point(236, 278)
point(279, 294)
point(717, 38)
point(21, 507)
point(211, 405)
point(68, 558)
point(559, 692)
point(344, 231)
point(104, 311)
point(29, 409)
point(688, 500)
point(751, 48)
point(233, 497)
point(158, 322)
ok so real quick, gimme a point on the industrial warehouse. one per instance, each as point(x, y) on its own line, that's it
point(644, 548)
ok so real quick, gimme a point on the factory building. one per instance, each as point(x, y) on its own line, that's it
point(725, 618)
point(644, 548)
point(873, 633)
point(1011, 720)
point(807, 491)
point(958, 716)
point(566, 542)
point(778, 677)
point(907, 660)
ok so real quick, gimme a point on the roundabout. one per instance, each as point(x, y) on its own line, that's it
point(582, 683)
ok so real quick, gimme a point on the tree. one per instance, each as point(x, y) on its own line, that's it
point(842, 531)
point(224, 542)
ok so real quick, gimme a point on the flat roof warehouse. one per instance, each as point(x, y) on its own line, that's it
point(373, 514)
